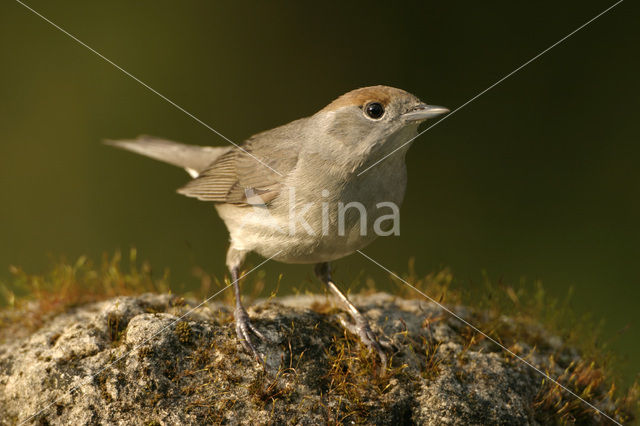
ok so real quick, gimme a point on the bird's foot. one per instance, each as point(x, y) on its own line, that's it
point(245, 330)
point(362, 329)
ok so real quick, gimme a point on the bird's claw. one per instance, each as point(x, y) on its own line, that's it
point(362, 329)
point(245, 330)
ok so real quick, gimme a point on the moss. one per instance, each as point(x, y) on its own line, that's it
point(30, 300)
point(170, 369)
point(101, 380)
point(145, 352)
point(53, 339)
point(115, 327)
point(432, 361)
point(177, 302)
point(533, 317)
point(184, 332)
point(347, 371)
point(201, 358)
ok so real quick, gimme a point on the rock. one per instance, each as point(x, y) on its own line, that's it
point(141, 360)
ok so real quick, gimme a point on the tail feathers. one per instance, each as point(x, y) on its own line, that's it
point(194, 159)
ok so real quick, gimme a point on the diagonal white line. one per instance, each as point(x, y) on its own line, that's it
point(147, 86)
point(86, 379)
point(493, 85)
point(477, 330)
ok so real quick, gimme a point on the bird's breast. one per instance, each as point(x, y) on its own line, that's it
point(322, 213)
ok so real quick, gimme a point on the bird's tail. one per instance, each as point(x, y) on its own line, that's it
point(194, 159)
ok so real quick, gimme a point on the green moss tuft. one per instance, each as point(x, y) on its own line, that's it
point(30, 300)
point(184, 332)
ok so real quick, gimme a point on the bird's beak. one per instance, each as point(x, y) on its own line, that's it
point(423, 112)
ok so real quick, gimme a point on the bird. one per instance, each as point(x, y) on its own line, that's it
point(334, 170)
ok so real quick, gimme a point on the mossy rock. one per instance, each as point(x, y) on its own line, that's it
point(165, 367)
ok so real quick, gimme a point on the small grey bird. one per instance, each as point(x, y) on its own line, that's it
point(293, 193)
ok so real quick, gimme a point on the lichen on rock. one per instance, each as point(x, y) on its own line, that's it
point(143, 360)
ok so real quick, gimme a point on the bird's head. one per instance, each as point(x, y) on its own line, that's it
point(370, 118)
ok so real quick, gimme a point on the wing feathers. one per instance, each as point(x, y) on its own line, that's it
point(237, 178)
point(230, 175)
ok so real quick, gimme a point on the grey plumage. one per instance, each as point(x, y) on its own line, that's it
point(280, 194)
point(238, 173)
point(194, 159)
point(227, 174)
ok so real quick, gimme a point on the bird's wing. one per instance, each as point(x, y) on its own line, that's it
point(248, 176)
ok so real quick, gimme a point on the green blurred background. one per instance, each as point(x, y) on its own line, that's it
point(538, 178)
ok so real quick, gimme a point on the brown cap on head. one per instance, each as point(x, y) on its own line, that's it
point(359, 97)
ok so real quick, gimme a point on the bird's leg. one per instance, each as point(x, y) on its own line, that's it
point(360, 327)
point(244, 328)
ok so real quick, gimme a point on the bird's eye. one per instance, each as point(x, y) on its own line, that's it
point(374, 110)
